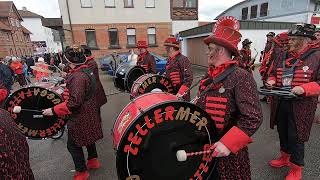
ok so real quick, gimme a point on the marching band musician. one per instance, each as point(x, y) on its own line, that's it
point(246, 61)
point(298, 70)
point(84, 126)
point(100, 94)
point(269, 42)
point(229, 94)
point(145, 59)
point(14, 149)
point(178, 69)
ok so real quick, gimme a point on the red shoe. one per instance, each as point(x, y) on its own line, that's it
point(280, 162)
point(295, 172)
point(93, 164)
point(81, 175)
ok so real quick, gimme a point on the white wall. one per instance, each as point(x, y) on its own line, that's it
point(99, 14)
point(41, 33)
point(298, 18)
point(178, 26)
point(258, 37)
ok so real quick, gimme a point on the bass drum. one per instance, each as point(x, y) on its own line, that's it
point(32, 123)
point(126, 75)
point(149, 83)
point(152, 128)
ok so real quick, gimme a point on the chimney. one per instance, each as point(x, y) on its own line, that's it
point(24, 8)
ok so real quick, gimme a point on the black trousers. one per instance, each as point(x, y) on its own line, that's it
point(78, 155)
point(288, 134)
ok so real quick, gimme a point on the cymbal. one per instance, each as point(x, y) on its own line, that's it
point(40, 69)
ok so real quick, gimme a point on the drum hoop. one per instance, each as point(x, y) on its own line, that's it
point(156, 75)
point(7, 101)
point(149, 75)
point(129, 72)
point(131, 102)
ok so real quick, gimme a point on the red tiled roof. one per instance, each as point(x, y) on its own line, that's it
point(25, 30)
point(28, 14)
point(5, 7)
point(4, 27)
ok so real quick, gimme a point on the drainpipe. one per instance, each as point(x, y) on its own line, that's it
point(70, 23)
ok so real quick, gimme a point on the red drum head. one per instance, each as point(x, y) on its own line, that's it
point(33, 124)
point(149, 82)
point(147, 149)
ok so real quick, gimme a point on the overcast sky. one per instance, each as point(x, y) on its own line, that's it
point(208, 9)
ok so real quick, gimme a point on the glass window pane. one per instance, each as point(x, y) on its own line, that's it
point(128, 3)
point(178, 3)
point(254, 10)
point(86, 3)
point(131, 40)
point(151, 30)
point(191, 3)
point(131, 32)
point(113, 36)
point(91, 39)
point(152, 39)
point(150, 3)
point(109, 3)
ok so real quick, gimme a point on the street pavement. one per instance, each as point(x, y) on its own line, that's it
point(50, 159)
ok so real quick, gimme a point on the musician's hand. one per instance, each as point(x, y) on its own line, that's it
point(269, 84)
point(221, 149)
point(179, 96)
point(298, 90)
point(47, 112)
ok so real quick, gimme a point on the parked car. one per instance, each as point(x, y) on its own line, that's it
point(108, 64)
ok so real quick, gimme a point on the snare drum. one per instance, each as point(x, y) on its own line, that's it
point(126, 75)
point(149, 82)
point(33, 124)
point(152, 128)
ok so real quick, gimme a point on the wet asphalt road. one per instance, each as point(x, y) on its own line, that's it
point(50, 159)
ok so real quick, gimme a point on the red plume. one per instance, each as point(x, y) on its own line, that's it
point(227, 21)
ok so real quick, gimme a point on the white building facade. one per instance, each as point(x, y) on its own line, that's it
point(40, 34)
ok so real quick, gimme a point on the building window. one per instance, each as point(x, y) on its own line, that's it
point(317, 6)
point(8, 37)
point(113, 37)
point(150, 3)
point(152, 36)
point(12, 22)
point(254, 10)
point(91, 38)
point(86, 3)
point(18, 23)
point(109, 3)
point(128, 3)
point(245, 13)
point(264, 9)
point(191, 3)
point(178, 3)
point(131, 35)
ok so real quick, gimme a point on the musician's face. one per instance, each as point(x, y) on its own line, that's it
point(142, 50)
point(317, 35)
point(212, 53)
point(269, 38)
point(296, 43)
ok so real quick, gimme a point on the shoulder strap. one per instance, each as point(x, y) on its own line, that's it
point(308, 53)
point(93, 84)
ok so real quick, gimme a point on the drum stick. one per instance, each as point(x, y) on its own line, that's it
point(18, 109)
point(182, 155)
point(193, 86)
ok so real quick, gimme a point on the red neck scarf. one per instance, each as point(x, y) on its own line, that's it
point(216, 71)
point(141, 56)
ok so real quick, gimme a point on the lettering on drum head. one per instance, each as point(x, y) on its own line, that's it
point(155, 82)
point(27, 99)
point(163, 115)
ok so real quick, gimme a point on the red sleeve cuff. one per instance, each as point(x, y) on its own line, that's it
point(235, 139)
point(272, 78)
point(311, 89)
point(183, 89)
point(3, 94)
point(61, 109)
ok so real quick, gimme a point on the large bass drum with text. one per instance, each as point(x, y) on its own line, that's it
point(152, 128)
point(30, 121)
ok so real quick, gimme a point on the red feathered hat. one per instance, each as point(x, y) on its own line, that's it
point(226, 33)
point(142, 44)
point(281, 39)
point(172, 41)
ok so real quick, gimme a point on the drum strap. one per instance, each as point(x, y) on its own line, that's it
point(93, 83)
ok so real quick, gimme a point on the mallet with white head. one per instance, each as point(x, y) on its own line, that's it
point(18, 109)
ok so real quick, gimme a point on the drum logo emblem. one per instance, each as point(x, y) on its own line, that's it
point(124, 121)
